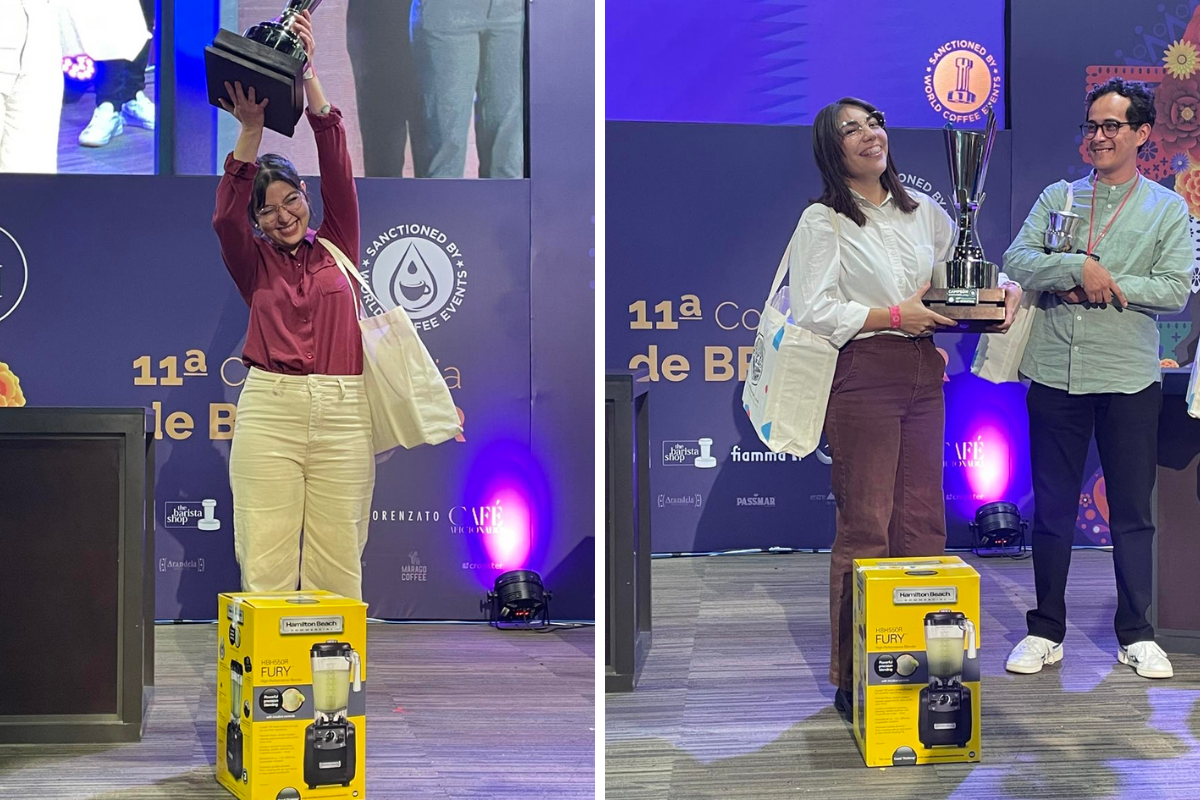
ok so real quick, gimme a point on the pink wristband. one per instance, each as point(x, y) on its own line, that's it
point(895, 312)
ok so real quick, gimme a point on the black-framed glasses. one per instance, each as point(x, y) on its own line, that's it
point(1110, 127)
point(854, 129)
point(294, 203)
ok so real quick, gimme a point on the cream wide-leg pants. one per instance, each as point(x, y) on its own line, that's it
point(302, 463)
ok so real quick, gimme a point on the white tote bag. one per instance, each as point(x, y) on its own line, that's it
point(791, 372)
point(106, 30)
point(998, 355)
point(410, 402)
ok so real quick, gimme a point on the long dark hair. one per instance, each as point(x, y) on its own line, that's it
point(827, 150)
point(271, 167)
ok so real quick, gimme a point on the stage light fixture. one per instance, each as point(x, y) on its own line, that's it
point(518, 598)
point(998, 528)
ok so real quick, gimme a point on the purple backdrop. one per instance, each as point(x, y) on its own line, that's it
point(779, 62)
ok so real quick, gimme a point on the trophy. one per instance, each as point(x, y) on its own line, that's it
point(971, 296)
point(269, 57)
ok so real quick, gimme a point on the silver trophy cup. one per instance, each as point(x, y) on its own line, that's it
point(1061, 228)
point(971, 295)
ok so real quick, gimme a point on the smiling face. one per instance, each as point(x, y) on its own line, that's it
point(1117, 153)
point(864, 143)
point(284, 216)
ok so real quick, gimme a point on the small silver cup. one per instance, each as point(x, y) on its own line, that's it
point(1059, 236)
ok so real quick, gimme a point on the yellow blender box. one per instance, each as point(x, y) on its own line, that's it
point(916, 660)
point(291, 695)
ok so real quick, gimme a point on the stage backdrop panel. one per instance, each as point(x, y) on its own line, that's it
point(779, 62)
point(126, 302)
point(1141, 40)
point(698, 217)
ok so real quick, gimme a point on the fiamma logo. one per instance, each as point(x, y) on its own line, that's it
point(14, 274)
point(962, 77)
point(418, 268)
point(476, 519)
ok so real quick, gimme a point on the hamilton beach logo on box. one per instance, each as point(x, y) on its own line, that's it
point(414, 570)
point(14, 274)
point(962, 77)
point(165, 564)
point(417, 268)
point(191, 514)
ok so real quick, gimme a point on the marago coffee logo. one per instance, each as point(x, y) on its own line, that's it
point(14, 273)
point(962, 78)
point(417, 268)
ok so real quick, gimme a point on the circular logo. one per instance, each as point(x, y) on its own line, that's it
point(417, 268)
point(14, 274)
point(961, 79)
point(756, 360)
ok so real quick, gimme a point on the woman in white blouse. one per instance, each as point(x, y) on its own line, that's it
point(862, 258)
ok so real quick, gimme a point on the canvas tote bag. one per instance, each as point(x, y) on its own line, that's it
point(791, 372)
point(409, 400)
point(998, 355)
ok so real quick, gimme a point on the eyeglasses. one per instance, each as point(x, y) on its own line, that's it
point(1111, 128)
point(294, 203)
point(854, 130)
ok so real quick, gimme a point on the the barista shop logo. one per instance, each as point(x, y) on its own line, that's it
point(417, 268)
point(961, 79)
point(14, 274)
point(201, 515)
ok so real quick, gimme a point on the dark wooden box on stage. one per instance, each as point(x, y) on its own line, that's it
point(77, 599)
point(973, 317)
point(1175, 602)
point(274, 75)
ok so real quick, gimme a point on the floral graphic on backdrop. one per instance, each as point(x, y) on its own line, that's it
point(10, 388)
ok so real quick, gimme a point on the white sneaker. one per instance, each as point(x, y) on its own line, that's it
point(139, 111)
point(1032, 653)
point(1147, 658)
point(106, 123)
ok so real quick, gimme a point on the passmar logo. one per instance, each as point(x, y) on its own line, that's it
point(961, 78)
point(418, 268)
point(14, 274)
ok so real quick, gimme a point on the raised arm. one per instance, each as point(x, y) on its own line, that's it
point(338, 194)
point(230, 221)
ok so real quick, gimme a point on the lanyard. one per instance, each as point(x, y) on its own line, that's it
point(1092, 215)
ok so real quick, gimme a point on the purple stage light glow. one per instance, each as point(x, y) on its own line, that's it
point(990, 467)
point(79, 68)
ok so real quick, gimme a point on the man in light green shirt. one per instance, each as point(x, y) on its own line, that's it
point(1093, 366)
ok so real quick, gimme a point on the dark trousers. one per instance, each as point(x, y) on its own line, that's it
point(385, 82)
point(118, 82)
point(885, 425)
point(1061, 426)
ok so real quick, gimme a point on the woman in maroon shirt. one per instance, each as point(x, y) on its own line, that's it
point(301, 464)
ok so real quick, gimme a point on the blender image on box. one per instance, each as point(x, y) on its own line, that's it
point(233, 731)
point(945, 704)
point(329, 743)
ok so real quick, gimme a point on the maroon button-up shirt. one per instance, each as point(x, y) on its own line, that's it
point(302, 310)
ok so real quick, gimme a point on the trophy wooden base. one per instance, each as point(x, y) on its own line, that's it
point(972, 317)
point(272, 74)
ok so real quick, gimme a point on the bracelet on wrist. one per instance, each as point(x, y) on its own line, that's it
point(894, 311)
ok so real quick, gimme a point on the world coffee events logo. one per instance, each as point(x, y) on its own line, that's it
point(14, 274)
point(418, 268)
point(962, 78)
